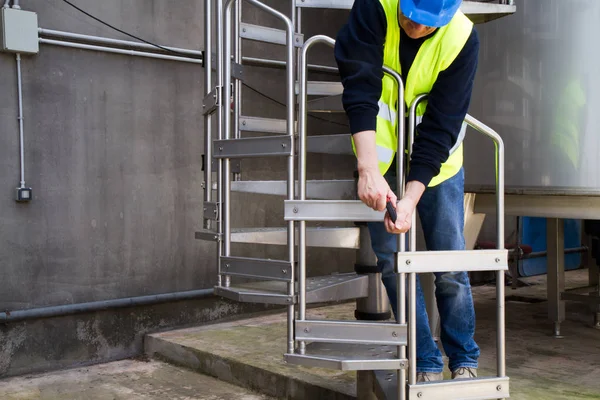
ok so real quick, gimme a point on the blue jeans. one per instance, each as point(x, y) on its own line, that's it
point(441, 211)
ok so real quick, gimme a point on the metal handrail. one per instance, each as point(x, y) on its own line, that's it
point(499, 144)
point(226, 187)
point(302, 127)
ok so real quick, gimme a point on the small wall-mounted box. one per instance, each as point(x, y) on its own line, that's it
point(19, 31)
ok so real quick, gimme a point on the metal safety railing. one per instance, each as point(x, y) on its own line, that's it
point(465, 260)
point(302, 155)
point(288, 147)
point(229, 146)
point(455, 260)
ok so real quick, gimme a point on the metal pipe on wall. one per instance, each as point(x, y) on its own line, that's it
point(208, 87)
point(251, 61)
point(118, 51)
point(237, 58)
point(117, 42)
point(20, 118)
point(71, 309)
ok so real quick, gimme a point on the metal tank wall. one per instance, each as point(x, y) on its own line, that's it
point(538, 86)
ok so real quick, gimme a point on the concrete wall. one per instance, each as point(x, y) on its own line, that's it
point(113, 148)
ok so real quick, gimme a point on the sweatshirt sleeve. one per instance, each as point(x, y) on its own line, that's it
point(359, 56)
point(448, 103)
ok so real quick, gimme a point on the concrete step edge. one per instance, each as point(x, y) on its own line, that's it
point(258, 379)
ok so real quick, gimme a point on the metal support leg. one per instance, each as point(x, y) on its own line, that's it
point(376, 306)
point(556, 272)
point(594, 276)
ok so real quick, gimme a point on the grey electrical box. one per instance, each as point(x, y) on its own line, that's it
point(19, 31)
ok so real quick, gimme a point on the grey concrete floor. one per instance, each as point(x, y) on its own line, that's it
point(250, 352)
point(123, 380)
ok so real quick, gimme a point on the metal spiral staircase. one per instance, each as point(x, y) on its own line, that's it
point(381, 351)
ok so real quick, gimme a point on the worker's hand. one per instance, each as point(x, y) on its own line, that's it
point(373, 189)
point(405, 209)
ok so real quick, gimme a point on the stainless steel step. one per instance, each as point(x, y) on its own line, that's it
point(323, 88)
point(266, 146)
point(480, 13)
point(207, 234)
point(244, 294)
point(348, 357)
point(257, 268)
point(268, 35)
point(386, 388)
point(328, 104)
point(461, 389)
point(333, 4)
point(338, 287)
point(330, 210)
point(320, 289)
point(332, 189)
point(340, 238)
point(266, 125)
point(329, 144)
point(477, 11)
point(357, 332)
point(452, 261)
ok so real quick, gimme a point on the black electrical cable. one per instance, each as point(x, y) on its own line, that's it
point(129, 34)
point(189, 56)
point(266, 96)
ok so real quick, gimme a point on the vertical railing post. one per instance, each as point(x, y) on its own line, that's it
point(401, 243)
point(412, 291)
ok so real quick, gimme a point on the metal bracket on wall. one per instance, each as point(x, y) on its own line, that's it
point(235, 165)
point(237, 70)
point(211, 210)
point(208, 235)
point(211, 101)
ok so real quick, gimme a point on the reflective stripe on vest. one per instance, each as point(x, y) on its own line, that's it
point(434, 56)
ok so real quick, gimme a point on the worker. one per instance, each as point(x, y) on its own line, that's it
point(434, 47)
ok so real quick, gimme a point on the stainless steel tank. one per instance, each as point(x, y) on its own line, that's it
point(538, 85)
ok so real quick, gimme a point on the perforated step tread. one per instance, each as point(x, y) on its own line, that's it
point(320, 289)
point(348, 357)
point(386, 387)
point(340, 238)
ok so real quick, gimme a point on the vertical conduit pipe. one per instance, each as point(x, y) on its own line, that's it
point(227, 133)
point(223, 96)
point(208, 87)
point(20, 118)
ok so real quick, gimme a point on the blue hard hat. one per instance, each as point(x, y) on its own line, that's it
point(434, 13)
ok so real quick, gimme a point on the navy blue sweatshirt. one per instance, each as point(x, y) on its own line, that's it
point(359, 55)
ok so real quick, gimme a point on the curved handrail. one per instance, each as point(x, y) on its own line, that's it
point(302, 188)
point(499, 144)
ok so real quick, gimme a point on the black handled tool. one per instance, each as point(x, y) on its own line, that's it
point(391, 210)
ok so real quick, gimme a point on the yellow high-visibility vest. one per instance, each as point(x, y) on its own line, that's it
point(435, 55)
